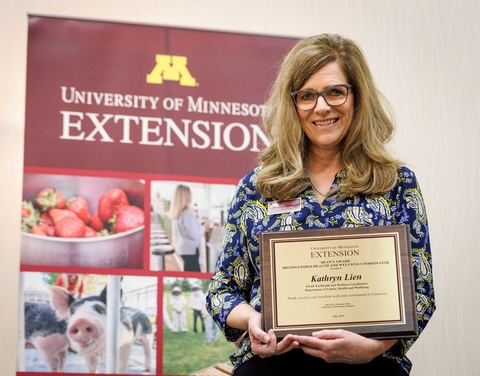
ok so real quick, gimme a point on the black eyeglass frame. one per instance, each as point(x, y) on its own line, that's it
point(322, 94)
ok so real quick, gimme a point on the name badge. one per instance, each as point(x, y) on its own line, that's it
point(288, 206)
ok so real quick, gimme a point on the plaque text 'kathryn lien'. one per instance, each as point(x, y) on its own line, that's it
point(326, 278)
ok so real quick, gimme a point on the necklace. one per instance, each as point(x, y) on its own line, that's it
point(315, 189)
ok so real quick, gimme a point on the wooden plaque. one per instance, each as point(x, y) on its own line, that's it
point(358, 279)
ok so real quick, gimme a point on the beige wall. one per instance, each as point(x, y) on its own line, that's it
point(425, 55)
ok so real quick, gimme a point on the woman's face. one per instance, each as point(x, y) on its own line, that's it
point(324, 125)
point(72, 279)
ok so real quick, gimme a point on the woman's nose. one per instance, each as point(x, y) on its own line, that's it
point(321, 105)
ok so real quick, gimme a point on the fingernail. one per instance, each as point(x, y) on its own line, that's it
point(265, 339)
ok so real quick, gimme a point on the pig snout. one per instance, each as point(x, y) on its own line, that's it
point(83, 333)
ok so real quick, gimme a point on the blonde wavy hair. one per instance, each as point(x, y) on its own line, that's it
point(66, 282)
point(370, 169)
point(181, 201)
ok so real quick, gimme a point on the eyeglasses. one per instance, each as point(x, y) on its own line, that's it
point(335, 95)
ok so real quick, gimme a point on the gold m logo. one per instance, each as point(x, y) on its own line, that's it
point(171, 68)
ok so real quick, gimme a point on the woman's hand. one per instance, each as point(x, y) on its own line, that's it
point(265, 344)
point(244, 317)
point(341, 346)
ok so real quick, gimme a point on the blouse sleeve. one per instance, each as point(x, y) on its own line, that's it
point(232, 283)
point(411, 211)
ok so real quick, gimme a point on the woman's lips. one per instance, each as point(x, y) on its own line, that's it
point(324, 123)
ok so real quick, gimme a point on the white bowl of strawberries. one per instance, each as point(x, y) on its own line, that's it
point(82, 221)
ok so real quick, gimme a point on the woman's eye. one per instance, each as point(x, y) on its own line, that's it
point(336, 91)
point(307, 96)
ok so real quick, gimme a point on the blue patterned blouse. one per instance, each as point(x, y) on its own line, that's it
point(237, 277)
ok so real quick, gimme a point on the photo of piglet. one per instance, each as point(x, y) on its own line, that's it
point(97, 333)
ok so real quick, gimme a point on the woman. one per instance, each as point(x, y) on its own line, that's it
point(73, 283)
point(187, 231)
point(328, 128)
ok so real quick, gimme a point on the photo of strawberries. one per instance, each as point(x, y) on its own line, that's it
point(115, 215)
point(82, 221)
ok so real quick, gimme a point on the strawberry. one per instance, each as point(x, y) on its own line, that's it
point(27, 209)
point(43, 229)
point(29, 216)
point(50, 198)
point(90, 233)
point(58, 214)
point(38, 230)
point(45, 218)
point(96, 223)
point(70, 227)
point(110, 202)
point(79, 206)
point(127, 218)
point(51, 231)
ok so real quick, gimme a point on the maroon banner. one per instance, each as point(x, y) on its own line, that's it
point(134, 98)
point(120, 120)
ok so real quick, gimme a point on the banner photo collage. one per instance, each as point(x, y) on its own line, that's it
point(125, 126)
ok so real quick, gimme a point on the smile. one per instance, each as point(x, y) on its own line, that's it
point(324, 122)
